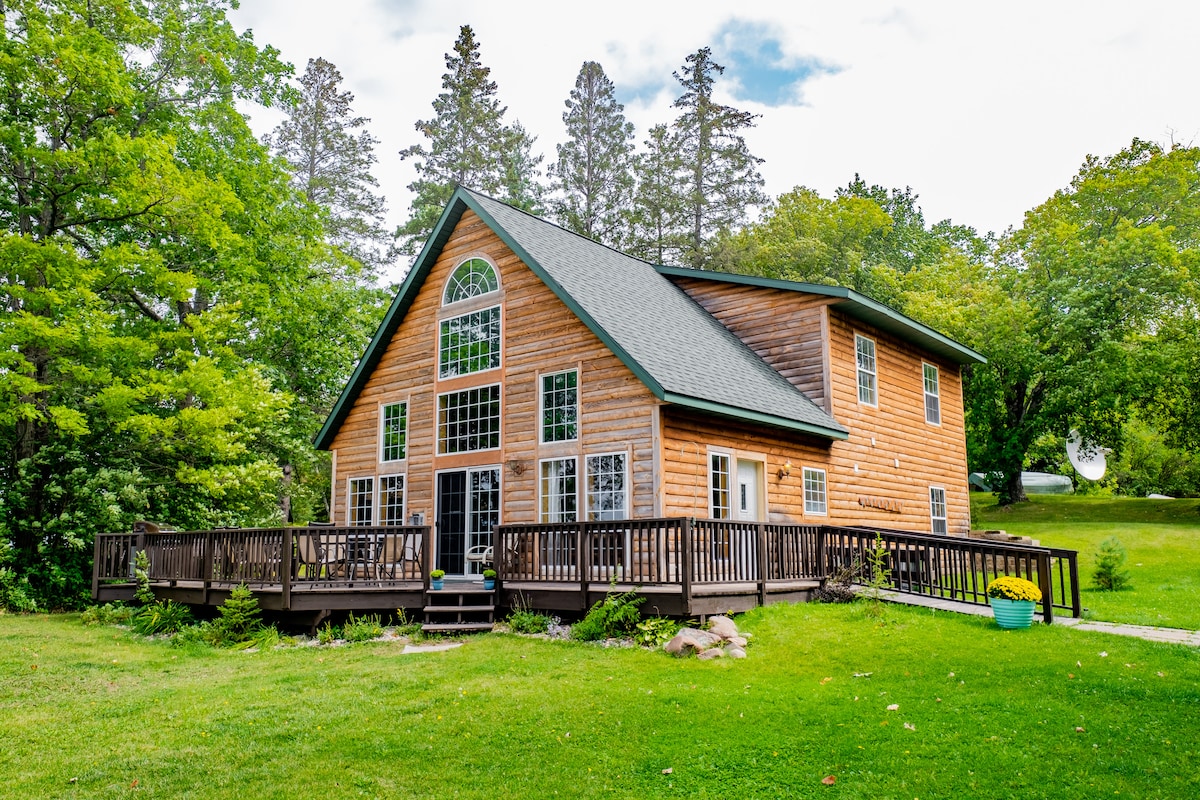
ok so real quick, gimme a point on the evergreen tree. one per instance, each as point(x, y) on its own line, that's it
point(658, 223)
point(721, 177)
point(330, 154)
point(469, 144)
point(594, 168)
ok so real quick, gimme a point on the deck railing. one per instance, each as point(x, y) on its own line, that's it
point(290, 559)
point(675, 552)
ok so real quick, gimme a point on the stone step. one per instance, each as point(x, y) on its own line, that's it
point(451, 627)
point(449, 609)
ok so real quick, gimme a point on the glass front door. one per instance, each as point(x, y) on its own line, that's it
point(468, 511)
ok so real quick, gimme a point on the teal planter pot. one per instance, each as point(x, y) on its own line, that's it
point(437, 583)
point(1012, 613)
point(488, 585)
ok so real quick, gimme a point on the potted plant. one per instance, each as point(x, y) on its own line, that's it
point(489, 579)
point(1013, 600)
point(436, 578)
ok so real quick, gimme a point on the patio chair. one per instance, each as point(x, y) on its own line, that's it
point(397, 559)
point(312, 558)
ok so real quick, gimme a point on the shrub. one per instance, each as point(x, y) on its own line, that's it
point(838, 587)
point(405, 626)
point(15, 592)
point(655, 631)
point(239, 614)
point(1110, 574)
point(526, 621)
point(141, 573)
point(615, 616)
point(361, 629)
point(165, 617)
point(329, 633)
point(107, 614)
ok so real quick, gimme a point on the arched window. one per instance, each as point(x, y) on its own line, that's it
point(471, 278)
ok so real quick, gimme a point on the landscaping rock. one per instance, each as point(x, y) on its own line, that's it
point(723, 627)
point(712, 652)
point(691, 639)
point(721, 639)
point(734, 652)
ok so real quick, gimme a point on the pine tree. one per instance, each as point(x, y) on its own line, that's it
point(330, 155)
point(594, 168)
point(658, 222)
point(469, 144)
point(721, 177)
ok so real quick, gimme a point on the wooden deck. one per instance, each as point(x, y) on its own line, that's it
point(683, 567)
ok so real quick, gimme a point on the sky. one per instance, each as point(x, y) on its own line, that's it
point(983, 109)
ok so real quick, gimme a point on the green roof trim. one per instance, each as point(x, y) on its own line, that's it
point(723, 410)
point(853, 304)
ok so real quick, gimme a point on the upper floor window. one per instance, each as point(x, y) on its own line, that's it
point(560, 406)
point(469, 420)
point(933, 400)
point(394, 433)
point(471, 278)
point(469, 343)
point(865, 350)
point(937, 509)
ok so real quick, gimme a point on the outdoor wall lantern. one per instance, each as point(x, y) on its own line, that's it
point(785, 470)
point(516, 467)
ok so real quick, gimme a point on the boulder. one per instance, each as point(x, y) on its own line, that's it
point(738, 641)
point(723, 627)
point(712, 652)
point(692, 639)
point(734, 651)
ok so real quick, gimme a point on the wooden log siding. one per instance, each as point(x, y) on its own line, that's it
point(928, 455)
point(540, 335)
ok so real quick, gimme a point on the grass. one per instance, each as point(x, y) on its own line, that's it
point(1047, 712)
point(1161, 538)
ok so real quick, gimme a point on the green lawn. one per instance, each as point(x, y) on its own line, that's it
point(1047, 712)
point(1161, 537)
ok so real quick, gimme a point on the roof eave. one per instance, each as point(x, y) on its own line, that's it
point(757, 417)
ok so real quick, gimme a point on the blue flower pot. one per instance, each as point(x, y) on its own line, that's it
point(488, 585)
point(1012, 613)
point(437, 583)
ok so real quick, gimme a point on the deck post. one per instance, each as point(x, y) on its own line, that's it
point(1046, 584)
point(820, 570)
point(427, 556)
point(1076, 602)
point(762, 564)
point(286, 564)
point(208, 563)
point(96, 568)
point(582, 542)
point(686, 559)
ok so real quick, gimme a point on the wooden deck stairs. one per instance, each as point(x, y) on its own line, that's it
point(459, 608)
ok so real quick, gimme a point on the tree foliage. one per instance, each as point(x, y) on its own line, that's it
point(147, 240)
point(720, 175)
point(594, 171)
point(330, 154)
point(658, 230)
point(468, 144)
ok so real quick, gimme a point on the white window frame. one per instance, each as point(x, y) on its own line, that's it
point(354, 493)
point(936, 504)
point(460, 367)
point(592, 513)
point(715, 509)
point(442, 425)
point(383, 431)
point(868, 371)
point(545, 513)
point(933, 399)
point(815, 502)
point(542, 395)
point(382, 506)
point(452, 284)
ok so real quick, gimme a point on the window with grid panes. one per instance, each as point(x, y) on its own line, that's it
point(718, 481)
point(933, 401)
point(469, 420)
point(362, 501)
point(469, 343)
point(560, 406)
point(559, 492)
point(391, 500)
point(471, 278)
point(606, 497)
point(937, 509)
point(814, 491)
point(865, 354)
point(394, 433)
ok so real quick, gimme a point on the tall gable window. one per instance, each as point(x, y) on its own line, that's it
point(865, 353)
point(933, 400)
point(394, 432)
point(469, 421)
point(471, 278)
point(469, 343)
point(560, 407)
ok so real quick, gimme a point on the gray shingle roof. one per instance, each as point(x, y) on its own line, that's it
point(679, 346)
point(680, 351)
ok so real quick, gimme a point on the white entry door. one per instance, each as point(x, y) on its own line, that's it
point(748, 484)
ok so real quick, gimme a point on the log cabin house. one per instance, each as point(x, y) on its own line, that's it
point(525, 375)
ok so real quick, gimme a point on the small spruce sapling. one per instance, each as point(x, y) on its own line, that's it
point(1110, 574)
